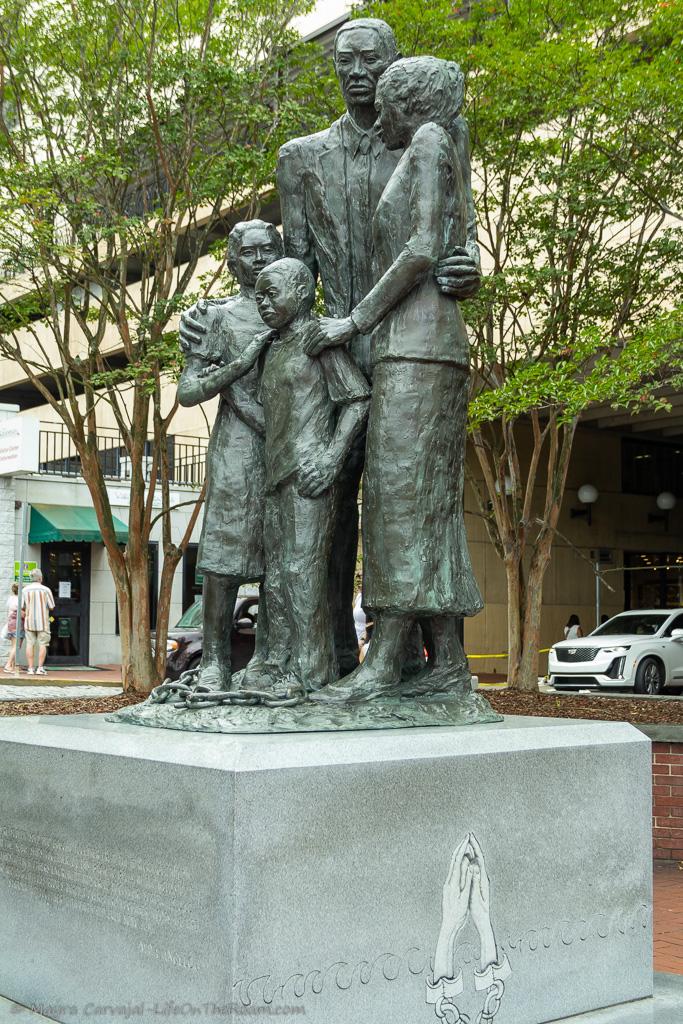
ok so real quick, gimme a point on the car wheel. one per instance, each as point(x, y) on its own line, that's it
point(649, 677)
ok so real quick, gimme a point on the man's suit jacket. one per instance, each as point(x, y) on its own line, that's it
point(315, 215)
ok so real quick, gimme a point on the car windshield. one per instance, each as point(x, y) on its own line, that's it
point(192, 618)
point(634, 623)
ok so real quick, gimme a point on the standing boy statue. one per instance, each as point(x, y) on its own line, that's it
point(314, 408)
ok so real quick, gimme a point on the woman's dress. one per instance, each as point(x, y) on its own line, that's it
point(415, 555)
point(231, 541)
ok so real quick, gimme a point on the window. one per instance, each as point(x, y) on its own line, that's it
point(676, 623)
point(650, 467)
point(653, 579)
point(633, 624)
point(192, 580)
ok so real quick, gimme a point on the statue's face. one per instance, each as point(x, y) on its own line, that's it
point(277, 300)
point(361, 56)
point(391, 120)
point(257, 251)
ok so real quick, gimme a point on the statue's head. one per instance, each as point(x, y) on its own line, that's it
point(413, 91)
point(284, 291)
point(363, 50)
point(252, 245)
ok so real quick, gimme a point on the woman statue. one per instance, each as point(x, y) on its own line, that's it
point(415, 557)
point(222, 341)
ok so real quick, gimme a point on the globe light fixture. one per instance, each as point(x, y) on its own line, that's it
point(587, 495)
point(665, 501)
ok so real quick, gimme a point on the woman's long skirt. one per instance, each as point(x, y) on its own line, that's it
point(231, 542)
point(415, 553)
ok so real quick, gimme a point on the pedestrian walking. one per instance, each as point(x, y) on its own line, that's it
point(359, 619)
point(10, 630)
point(37, 603)
point(573, 628)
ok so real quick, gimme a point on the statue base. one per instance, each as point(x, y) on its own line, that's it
point(381, 713)
point(150, 874)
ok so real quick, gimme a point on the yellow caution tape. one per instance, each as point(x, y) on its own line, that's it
point(543, 650)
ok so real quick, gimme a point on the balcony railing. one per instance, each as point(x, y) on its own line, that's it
point(58, 455)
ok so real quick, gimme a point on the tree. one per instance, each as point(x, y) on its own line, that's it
point(576, 119)
point(132, 134)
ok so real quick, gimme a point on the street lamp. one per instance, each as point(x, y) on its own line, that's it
point(587, 495)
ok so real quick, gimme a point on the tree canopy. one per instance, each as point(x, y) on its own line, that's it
point(133, 133)
point(576, 120)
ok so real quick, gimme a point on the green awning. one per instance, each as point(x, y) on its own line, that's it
point(51, 523)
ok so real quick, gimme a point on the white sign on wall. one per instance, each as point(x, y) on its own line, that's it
point(19, 445)
point(119, 497)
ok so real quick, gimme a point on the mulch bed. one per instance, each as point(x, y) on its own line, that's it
point(68, 706)
point(506, 702)
point(604, 709)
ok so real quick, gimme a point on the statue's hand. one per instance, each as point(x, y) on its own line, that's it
point(480, 900)
point(316, 477)
point(256, 347)
point(459, 275)
point(206, 371)
point(191, 330)
point(457, 890)
point(328, 333)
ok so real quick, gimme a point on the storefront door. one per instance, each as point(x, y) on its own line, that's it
point(66, 571)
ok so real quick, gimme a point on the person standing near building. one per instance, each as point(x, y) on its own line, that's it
point(572, 631)
point(37, 602)
point(11, 629)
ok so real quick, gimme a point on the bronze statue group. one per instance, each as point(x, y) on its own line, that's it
point(378, 209)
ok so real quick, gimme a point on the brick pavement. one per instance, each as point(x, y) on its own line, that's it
point(668, 917)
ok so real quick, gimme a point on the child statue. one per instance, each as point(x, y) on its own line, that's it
point(314, 408)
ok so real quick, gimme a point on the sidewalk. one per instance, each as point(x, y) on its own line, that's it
point(668, 918)
point(101, 675)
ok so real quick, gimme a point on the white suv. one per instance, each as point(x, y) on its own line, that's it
point(638, 649)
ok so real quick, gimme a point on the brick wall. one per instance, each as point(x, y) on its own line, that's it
point(667, 800)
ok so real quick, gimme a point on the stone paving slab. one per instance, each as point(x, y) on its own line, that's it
point(56, 692)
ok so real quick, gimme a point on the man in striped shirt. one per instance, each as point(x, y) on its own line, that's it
point(37, 602)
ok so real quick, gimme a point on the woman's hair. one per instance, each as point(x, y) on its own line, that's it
point(15, 588)
point(434, 87)
point(573, 620)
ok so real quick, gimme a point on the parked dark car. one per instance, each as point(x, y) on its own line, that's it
point(186, 639)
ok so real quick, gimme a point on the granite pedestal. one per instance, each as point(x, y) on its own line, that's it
point(146, 874)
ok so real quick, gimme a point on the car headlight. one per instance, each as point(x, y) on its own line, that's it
point(171, 645)
point(614, 650)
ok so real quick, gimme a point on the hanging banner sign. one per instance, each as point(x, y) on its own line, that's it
point(19, 445)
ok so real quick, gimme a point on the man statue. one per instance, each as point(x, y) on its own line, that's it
point(330, 184)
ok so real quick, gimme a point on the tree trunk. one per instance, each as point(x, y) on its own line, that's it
point(171, 562)
point(140, 663)
point(515, 615)
point(526, 675)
